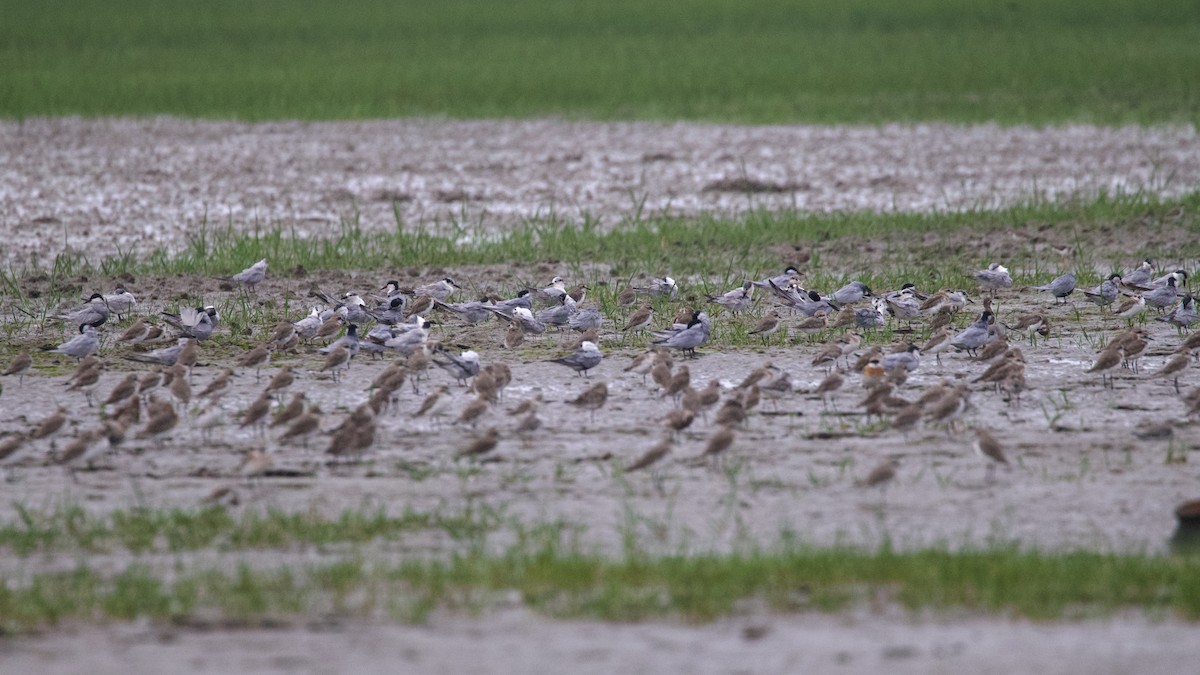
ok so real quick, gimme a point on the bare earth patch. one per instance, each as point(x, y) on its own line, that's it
point(514, 641)
point(103, 184)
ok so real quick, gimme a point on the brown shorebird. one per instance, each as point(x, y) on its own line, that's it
point(124, 389)
point(337, 361)
point(873, 374)
point(136, 333)
point(161, 421)
point(385, 374)
point(719, 442)
point(528, 424)
point(626, 297)
point(949, 407)
point(291, 411)
point(330, 327)
point(355, 435)
point(189, 354)
point(482, 444)
point(282, 333)
point(474, 411)
point(642, 364)
point(529, 405)
point(651, 456)
point(938, 342)
point(436, 403)
point(20, 364)
point(1174, 368)
point(660, 373)
point(179, 388)
point(13, 449)
point(700, 400)
point(678, 419)
point(990, 450)
point(219, 386)
point(1032, 325)
point(592, 400)
point(304, 426)
point(992, 350)
point(828, 386)
point(1106, 360)
point(679, 382)
point(639, 320)
point(256, 463)
point(282, 380)
point(514, 336)
point(257, 412)
point(881, 475)
point(256, 358)
point(767, 326)
point(812, 324)
point(732, 413)
point(82, 451)
point(907, 418)
point(86, 381)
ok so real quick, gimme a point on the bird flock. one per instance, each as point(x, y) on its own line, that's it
point(412, 334)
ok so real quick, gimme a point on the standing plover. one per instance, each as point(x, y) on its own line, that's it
point(881, 475)
point(291, 411)
point(336, 361)
point(481, 444)
point(592, 400)
point(721, 440)
point(767, 326)
point(1106, 360)
point(20, 364)
point(1174, 367)
point(651, 456)
point(990, 450)
point(256, 358)
point(639, 320)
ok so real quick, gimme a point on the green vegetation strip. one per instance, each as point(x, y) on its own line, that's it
point(1103, 61)
point(569, 584)
point(705, 253)
point(544, 565)
point(705, 245)
point(176, 530)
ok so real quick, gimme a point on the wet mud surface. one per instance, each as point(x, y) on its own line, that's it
point(107, 185)
point(499, 642)
point(1080, 477)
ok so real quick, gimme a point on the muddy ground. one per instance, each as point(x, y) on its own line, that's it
point(501, 643)
point(1081, 478)
point(99, 185)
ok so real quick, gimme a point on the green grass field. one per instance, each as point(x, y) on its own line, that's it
point(760, 61)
